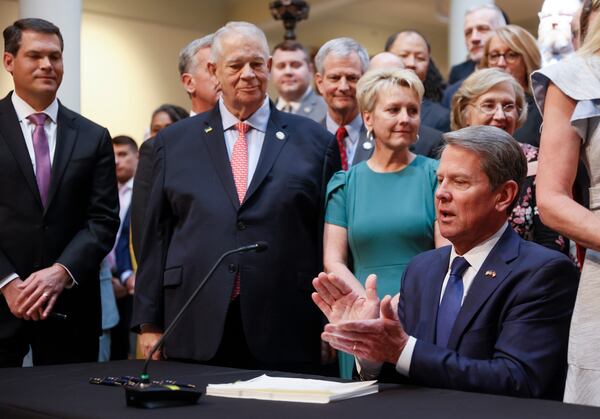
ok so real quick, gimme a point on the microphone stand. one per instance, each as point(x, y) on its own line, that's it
point(150, 395)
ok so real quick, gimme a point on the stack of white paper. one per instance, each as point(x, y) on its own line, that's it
point(292, 389)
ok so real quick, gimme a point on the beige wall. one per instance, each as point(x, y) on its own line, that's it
point(129, 63)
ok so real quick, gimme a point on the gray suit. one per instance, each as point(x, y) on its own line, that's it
point(312, 106)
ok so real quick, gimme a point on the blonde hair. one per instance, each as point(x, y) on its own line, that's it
point(373, 82)
point(476, 85)
point(591, 43)
point(520, 41)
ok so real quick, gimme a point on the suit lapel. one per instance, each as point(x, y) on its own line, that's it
point(10, 131)
point(506, 250)
point(272, 145)
point(364, 147)
point(66, 135)
point(432, 290)
point(214, 138)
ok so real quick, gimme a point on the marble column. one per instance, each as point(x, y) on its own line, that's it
point(66, 14)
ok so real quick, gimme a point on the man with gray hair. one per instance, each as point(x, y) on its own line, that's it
point(193, 71)
point(488, 314)
point(340, 63)
point(479, 23)
point(239, 174)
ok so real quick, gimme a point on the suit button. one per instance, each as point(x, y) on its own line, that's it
point(241, 225)
point(232, 267)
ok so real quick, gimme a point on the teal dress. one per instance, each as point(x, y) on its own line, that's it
point(389, 217)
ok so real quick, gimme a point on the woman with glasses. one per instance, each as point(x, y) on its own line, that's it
point(514, 50)
point(569, 95)
point(493, 97)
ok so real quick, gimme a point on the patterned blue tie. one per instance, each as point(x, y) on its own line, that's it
point(451, 302)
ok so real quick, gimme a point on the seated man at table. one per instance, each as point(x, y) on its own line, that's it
point(488, 314)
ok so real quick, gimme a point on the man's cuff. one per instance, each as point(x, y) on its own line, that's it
point(403, 363)
point(125, 276)
point(7, 279)
point(368, 370)
point(73, 282)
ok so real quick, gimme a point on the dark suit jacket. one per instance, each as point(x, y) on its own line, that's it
point(194, 216)
point(529, 133)
point(461, 71)
point(510, 336)
point(139, 198)
point(122, 253)
point(78, 226)
point(435, 116)
point(449, 94)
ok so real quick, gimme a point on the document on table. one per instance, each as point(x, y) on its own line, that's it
point(292, 389)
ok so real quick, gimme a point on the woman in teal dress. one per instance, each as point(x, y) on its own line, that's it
point(381, 212)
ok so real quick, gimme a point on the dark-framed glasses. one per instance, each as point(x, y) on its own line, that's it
point(509, 56)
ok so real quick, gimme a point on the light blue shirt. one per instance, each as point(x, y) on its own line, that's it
point(353, 130)
point(255, 137)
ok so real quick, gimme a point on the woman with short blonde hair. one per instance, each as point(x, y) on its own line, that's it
point(382, 210)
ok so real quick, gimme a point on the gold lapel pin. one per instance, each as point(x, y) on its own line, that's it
point(207, 129)
point(490, 274)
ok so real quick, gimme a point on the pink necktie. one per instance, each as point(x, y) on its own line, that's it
point(239, 167)
point(42, 155)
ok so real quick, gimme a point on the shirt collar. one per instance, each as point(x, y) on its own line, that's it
point(295, 104)
point(24, 109)
point(477, 255)
point(258, 120)
point(126, 186)
point(353, 128)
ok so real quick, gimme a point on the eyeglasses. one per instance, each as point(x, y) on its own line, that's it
point(509, 56)
point(490, 108)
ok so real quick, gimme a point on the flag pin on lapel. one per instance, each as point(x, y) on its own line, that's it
point(491, 274)
point(280, 135)
point(207, 129)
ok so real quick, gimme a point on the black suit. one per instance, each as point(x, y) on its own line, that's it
point(194, 216)
point(435, 116)
point(141, 191)
point(76, 229)
point(461, 71)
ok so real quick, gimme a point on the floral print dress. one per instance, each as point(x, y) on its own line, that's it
point(525, 219)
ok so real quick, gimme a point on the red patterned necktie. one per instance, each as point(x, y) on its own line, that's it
point(239, 167)
point(340, 135)
point(42, 155)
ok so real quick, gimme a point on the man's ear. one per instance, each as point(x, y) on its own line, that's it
point(507, 193)
point(319, 82)
point(8, 60)
point(188, 83)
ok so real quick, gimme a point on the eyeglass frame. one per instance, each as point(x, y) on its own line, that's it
point(510, 57)
point(492, 112)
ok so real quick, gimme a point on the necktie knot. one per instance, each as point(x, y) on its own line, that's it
point(341, 133)
point(37, 118)
point(242, 127)
point(459, 266)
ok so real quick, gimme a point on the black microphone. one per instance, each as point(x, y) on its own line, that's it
point(150, 395)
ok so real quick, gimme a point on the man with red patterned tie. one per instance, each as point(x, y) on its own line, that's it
point(58, 208)
point(240, 173)
point(340, 63)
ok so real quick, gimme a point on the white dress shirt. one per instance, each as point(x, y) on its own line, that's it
point(282, 104)
point(255, 136)
point(476, 257)
point(23, 110)
point(351, 140)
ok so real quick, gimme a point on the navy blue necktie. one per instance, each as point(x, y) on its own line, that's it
point(451, 302)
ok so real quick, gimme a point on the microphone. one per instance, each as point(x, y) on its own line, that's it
point(148, 394)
